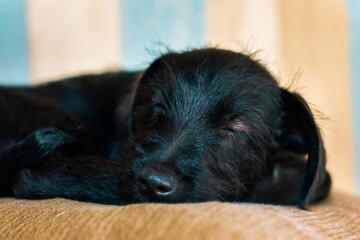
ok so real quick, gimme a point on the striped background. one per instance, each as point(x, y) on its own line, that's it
point(313, 44)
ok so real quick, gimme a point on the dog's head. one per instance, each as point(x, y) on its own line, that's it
point(212, 124)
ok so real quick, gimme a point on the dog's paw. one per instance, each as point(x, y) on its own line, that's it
point(33, 149)
point(47, 140)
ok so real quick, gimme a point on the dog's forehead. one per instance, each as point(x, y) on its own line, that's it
point(212, 68)
point(212, 74)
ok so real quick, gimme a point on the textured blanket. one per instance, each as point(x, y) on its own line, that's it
point(338, 217)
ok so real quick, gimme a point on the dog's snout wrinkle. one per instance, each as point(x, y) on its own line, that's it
point(157, 185)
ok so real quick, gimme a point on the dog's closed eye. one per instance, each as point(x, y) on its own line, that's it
point(238, 126)
point(233, 128)
point(159, 108)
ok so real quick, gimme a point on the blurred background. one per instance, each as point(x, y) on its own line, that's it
point(313, 46)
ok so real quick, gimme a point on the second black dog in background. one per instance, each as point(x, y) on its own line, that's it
point(202, 125)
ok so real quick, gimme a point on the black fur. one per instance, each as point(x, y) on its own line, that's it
point(202, 125)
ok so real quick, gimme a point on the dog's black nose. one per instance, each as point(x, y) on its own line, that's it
point(157, 185)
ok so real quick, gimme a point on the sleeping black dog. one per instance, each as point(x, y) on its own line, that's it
point(203, 125)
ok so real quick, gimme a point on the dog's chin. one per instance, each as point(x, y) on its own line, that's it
point(138, 198)
point(190, 196)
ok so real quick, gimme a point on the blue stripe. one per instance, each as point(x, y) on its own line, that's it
point(14, 57)
point(355, 39)
point(150, 27)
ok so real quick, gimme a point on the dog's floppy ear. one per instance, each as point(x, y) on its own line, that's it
point(155, 70)
point(138, 101)
point(297, 163)
point(300, 134)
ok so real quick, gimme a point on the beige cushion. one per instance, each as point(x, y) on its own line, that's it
point(338, 217)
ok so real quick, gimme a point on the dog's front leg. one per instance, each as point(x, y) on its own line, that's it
point(28, 151)
point(90, 179)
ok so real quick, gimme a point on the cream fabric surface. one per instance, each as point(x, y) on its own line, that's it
point(338, 217)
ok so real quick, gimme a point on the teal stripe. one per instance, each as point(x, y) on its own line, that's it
point(355, 39)
point(152, 26)
point(14, 57)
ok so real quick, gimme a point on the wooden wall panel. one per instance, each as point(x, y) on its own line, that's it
point(14, 48)
point(70, 37)
point(152, 27)
point(246, 26)
point(354, 6)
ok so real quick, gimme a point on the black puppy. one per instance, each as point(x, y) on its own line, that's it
point(196, 126)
